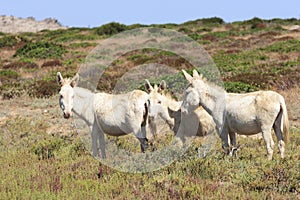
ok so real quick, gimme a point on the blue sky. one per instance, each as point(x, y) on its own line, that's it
point(91, 13)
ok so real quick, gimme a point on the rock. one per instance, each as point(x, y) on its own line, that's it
point(11, 24)
point(294, 28)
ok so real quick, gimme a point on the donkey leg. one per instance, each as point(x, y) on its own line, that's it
point(95, 130)
point(279, 135)
point(266, 133)
point(98, 134)
point(179, 138)
point(140, 133)
point(224, 138)
point(102, 143)
point(144, 144)
point(234, 148)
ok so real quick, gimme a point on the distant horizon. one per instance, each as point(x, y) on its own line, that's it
point(94, 13)
point(58, 21)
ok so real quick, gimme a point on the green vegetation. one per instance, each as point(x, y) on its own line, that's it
point(288, 46)
point(10, 41)
point(213, 21)
point(111, 28)
point(9, 74)
point(43, 157)
point(237, 62)
point(43, 88)
point(41, 50)
point(53, 166)
point(238, 87)
point(69, 35)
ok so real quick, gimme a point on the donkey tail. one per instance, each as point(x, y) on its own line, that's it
point(285, 121)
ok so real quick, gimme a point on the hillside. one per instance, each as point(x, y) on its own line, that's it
point(251, 55)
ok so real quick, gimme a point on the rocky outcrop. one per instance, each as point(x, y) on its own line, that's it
point(11, 24)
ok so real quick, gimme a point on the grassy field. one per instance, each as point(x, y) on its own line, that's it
point(43, 157)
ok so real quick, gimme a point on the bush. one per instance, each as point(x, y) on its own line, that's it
point(255, 23)
point(11, 90)
point(239, 87)
point(111, 28)
point(51, 63)
point(10, 41)
point(212, 20)
point(41, 50)
point(11, 74)
point(21, 64)
point(185, 30)
point(46, 148)
point(284, 46)
point(43, 88)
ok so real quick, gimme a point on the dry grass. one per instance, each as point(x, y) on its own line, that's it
point(292, 100)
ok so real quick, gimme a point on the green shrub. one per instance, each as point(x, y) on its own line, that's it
point(46, 148)
point(51, 63)
point(253, 21)
point(43, 88)
point(134, 26)
point(185, 30)
point(212, 20)
point(77, 148)
point(239, 87)
point(237, 63)
point(82, 45)
point(67, 37)
point(10, 41)
point(41, 50)
point(196, 36)
point(220, 34)
point(167, 26)
point(111, 28)
point(26, 64)
point(11, 90)
point(284, 46)
point(9, 74)
point(139, 58)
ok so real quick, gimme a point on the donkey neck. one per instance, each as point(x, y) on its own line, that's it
point(83, 104)
point(212, 98)
point(172, 103)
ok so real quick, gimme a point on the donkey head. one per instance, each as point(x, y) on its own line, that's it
point(156, 99)
point(66, 94)
point(192, 96)
point(159, 103)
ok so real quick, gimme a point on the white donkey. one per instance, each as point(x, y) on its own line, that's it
point(163, 105)
point(113, 114)
point(159, 103)
point(245, 114)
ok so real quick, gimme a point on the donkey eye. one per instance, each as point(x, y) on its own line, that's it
point(159, 102)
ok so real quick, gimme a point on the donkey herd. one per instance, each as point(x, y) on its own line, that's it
point(206, 108)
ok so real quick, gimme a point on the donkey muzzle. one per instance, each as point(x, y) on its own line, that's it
point(67, 115)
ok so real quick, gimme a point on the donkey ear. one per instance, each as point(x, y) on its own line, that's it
point(74, 80)
point(148, 86)
point(59, 79)
point(195, 74)
point(188, 77)
point(162, 86)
